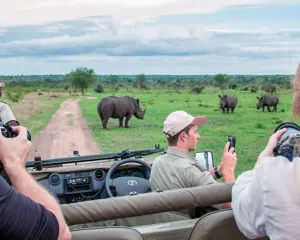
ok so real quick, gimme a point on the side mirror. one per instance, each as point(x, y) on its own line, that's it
point(205, 160)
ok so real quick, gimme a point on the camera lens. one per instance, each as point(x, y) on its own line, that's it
point(291, 128)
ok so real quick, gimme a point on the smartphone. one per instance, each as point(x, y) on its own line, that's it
point(232, 140)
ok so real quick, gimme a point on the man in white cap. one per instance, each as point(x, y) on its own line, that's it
point(177, 168)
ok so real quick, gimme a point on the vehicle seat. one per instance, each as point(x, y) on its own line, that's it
point(108, 233)
point(218, 225)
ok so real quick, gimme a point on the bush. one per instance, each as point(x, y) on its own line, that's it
point(197, 89)
point(245, 89)
point(15, 97)
point(99, 88)
point(233, 86)
point(254, 89)
point(269, 88)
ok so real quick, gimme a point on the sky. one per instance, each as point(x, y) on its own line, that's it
point(150, 36)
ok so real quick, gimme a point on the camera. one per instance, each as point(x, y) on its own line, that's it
point(9, 133)
point(232, 140)
point(291, 128)
point(286, 143)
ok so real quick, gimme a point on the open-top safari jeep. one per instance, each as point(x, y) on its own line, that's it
point(105, 199)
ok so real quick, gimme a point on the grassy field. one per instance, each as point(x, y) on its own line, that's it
point(251, 127)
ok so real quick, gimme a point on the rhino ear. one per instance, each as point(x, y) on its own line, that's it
point(225, 95)
point(138, 101)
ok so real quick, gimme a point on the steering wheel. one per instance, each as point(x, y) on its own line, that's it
point(127, 185)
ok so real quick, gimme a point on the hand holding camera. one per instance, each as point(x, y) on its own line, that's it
point(14, 151)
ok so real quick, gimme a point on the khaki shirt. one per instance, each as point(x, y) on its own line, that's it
point(175, 169)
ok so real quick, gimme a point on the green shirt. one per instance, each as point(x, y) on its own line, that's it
point(175, 169)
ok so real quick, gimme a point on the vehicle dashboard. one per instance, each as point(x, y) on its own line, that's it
point(78, 186)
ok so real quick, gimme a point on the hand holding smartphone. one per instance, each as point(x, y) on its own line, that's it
point(232, 140)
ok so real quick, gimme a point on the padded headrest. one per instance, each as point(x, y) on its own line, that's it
point(219, 225)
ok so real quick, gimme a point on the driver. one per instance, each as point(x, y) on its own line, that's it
point(177, 168)
point(27, 210)
point(6, 115)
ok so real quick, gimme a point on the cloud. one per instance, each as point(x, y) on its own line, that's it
point(105, 36)
point(2, 31)
point(143, 35)
point(41, 12)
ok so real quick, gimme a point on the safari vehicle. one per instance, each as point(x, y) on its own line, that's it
point(108, 196)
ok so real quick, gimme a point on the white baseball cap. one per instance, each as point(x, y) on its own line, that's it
point(178, 120)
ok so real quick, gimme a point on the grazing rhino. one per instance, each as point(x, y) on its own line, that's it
point(119, 107)
point(228, 102)
point(267, 101)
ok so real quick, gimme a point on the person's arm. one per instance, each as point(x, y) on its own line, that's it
point(24, 219)
point(247, 194)
point(14, 153)
point(247, 204)
point(227, 167)
point(25, 184)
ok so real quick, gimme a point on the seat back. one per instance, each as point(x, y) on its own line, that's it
point(108, 233)
point(218, 225)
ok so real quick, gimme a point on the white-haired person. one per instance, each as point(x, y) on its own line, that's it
point(266, 199)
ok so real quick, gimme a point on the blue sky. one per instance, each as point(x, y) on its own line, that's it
point(150, 36)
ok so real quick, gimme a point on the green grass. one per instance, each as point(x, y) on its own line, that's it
point(251, 127)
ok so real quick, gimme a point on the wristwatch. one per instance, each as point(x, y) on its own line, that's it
point(217, 174)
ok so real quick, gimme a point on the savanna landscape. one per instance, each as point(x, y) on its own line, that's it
point(36, 108)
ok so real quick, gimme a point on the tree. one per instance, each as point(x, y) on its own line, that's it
point(221, 80)
point(140, 80)
point(113, 80)
point(81, 78)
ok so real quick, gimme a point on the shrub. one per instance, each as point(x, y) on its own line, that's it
point(197, 90)
point(245, 89)
point(15, 97)
point(269, 88)
point(254, 89)
point(233, 86)
point(99, 88)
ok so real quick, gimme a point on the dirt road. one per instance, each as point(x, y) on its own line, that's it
point(66, 131)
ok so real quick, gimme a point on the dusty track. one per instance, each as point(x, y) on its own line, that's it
point(66, 131)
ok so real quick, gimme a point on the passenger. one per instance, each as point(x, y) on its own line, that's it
point(266, 199)
point(6, 115)
point(177, 168)
point(27, 210)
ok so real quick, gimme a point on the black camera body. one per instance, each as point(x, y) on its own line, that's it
point(9, 133)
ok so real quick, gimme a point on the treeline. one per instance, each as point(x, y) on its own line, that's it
point(114, 82)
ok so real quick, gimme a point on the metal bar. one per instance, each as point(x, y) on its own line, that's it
point(75, 159)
